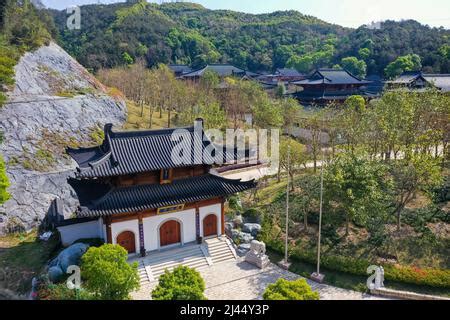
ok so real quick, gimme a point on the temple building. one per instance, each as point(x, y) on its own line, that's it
point(222, 70)
point(133, 192)
point(326, 86)
point(417, 81)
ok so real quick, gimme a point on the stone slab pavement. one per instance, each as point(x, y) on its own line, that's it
point(239, 280)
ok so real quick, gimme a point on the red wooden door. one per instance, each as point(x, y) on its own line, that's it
point(169, 233)
point(210, 226)
point(126, 239)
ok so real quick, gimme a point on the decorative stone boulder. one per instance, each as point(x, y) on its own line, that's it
point(252, 228)
point(229, 226)
point(257, 254)
point(242, 249)
point(55, 274)
point(245, 237)
point(68, 257)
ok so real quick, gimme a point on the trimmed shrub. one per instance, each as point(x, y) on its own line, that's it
point(252, 215)
point(183, 283)
point(107, 273)
point(290, 290)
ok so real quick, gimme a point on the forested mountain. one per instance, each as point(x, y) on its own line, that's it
point(189, 33)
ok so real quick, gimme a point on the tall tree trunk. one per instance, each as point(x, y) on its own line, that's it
point(315, 163)
point(399, 220)
point(279, 173)
point(347, 225)
point(168, 117)
point(292, 180)
point(151, 117)
point(305, 220)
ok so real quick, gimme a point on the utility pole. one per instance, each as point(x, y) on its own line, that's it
point(287, 204)
point(316, 276)
point(285, 264)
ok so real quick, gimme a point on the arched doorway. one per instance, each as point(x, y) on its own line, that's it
point(170, 233)
point(210, 226)
point(127, 240)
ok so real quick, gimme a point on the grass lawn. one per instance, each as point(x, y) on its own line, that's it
point(23, 256)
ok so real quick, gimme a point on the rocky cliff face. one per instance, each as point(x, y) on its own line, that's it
point(55, 103)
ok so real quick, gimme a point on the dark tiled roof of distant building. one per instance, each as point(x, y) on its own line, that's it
point(289, 73)
point(180, 69)
point(440, 81)
point(223, 70)
point(332, 77)
point(131, 152)
point(98, 200)
point(406, 77)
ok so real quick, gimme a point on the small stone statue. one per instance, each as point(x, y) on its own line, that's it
point(376, 280)
point(257, 254)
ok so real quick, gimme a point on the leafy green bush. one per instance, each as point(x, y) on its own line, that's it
point(107, 273)
point(183, 283)
point(252, 215)
point(48, 291)
point(290, 290)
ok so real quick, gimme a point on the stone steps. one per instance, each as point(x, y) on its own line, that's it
point(157, 263)
point(219, 250)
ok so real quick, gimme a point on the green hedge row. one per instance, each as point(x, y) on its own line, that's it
point(436, 278)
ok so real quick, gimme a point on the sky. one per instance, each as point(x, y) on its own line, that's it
point(348, 13)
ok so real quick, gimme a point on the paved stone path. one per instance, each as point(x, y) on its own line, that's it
point(239, 280)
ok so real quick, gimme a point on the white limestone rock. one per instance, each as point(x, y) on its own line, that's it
point(55, 102)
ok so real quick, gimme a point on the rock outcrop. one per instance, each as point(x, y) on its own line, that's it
point(55, 103)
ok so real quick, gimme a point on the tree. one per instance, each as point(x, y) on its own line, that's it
point(421, 172)
point(290, 290)
point(357, 186)
point(353, 121)
point(307, 199)
point(354, 66)
point(410, 62)
point(297, 157)
point(127, 59)
point(314, 124)
point(290, 109)
point(107, 273)
point(183, 283)
point(364, 53)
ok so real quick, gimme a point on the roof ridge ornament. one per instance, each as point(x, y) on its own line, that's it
point(108, 132)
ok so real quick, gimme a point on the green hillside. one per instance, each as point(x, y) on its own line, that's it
point(189, 33)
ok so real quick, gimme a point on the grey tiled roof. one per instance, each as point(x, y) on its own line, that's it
point(144, 197)
point(223, 70)
point(332, 76)
point(440, 81)
point(289, 73)
point(131, 152)
point(180, 68)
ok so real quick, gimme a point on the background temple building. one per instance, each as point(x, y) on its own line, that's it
point(132, 193)
point(330, 85)
point(417, 80)
point(222, 70)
